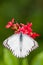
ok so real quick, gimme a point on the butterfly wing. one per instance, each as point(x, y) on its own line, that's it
point(13, 43)
point(29, 44)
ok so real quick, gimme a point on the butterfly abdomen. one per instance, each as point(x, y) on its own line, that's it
point(21, 37)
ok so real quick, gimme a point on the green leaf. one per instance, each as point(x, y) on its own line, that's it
point(25, 61)
point(38, 59)
point(9, 59)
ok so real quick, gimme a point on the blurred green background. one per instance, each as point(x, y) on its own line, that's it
point(23, 11)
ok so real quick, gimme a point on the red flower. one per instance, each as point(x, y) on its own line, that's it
point(34, 35)
point(25, 29)
point(13, 20)
point(29, 24)
point(8, 26)
point(10, 23)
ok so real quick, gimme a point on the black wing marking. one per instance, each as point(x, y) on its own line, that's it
point(35, 45)
point(5, 43)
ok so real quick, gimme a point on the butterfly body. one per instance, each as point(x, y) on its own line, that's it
point(20, 44)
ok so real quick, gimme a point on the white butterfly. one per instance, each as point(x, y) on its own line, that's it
point(20, 44)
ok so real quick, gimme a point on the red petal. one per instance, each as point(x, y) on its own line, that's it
point(13, 20)
point(29, 24)
point(10, 23)
point(7, 26)
point(22, 24)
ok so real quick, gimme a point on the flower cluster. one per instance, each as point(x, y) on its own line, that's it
point(25, 29)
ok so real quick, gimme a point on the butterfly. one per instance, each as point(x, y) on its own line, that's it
point(20, 44)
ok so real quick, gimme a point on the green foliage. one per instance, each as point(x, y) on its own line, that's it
point(9, 59)
point(38, 59)
point(23, 11)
